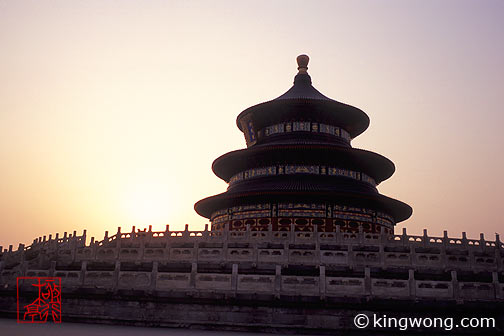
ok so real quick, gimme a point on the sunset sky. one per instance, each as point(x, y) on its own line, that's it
point(111, 112)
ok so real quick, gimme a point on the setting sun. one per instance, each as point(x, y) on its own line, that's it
point(147, 203)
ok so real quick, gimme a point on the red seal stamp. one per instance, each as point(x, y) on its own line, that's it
point(38, 299)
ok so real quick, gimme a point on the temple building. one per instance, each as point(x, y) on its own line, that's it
point(299, 171)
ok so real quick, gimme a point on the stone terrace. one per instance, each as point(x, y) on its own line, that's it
point(271, 264)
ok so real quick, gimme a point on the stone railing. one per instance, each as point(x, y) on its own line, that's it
point(278, 281)
point(274, 263)
point(297, 236)
point(269, 246)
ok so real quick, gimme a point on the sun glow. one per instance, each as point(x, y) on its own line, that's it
point(148, 204)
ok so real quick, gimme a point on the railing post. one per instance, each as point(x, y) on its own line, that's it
point(154, 276)
point(278, 280)
point(322, 282)
point(192, 279)
point(234, 278)
point(455, 285)
point(413, 256)
point(167, 236)
point(412, 283)
point(142, 248)
point(94, 251)
point(117, 270)
point(350, 256)
point(446, 241)
point(73, 244)
point(497, 287)
point(84, 233)
point(21, 250)
point(83, 272)
point(381, 253)
point(498, 257)
point(337, 234)
point(118, 242)
point(383, 236)
point(367, 281)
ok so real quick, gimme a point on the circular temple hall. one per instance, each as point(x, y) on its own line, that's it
point(299, 171)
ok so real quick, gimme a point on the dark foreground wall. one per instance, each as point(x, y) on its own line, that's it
point(267, 314)
point(286, 282)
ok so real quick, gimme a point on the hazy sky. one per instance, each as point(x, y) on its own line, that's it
point(111, 112)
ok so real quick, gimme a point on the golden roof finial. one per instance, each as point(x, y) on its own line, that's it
point(302, 61)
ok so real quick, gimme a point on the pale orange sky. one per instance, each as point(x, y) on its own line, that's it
point(111, 112)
